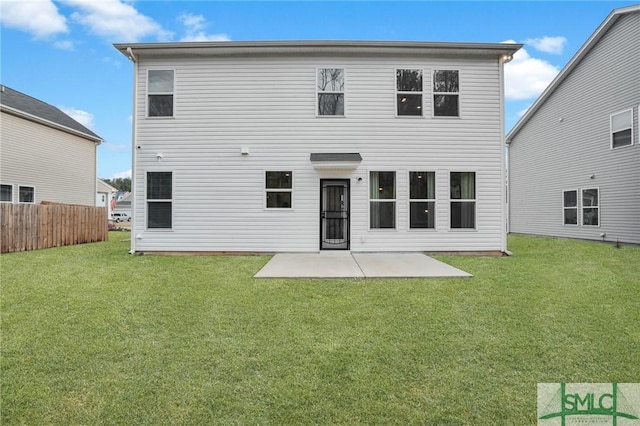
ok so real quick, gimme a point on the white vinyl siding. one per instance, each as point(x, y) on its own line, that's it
point(61, 166)
point(567, 144)
point(269, 105)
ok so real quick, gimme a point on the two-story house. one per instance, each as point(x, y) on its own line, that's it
point(574, 157)
point(45, 155)
point(318, 145)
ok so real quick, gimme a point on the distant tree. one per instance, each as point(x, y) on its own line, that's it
point(121, 184)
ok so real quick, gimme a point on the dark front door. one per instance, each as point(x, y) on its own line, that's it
point(334, 214)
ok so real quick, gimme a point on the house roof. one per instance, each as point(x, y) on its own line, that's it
point(17, 103)
point(566, 71)
point(314, 47)
point(105, 187)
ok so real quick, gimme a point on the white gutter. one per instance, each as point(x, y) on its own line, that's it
point(503, 59)
point(134, 149)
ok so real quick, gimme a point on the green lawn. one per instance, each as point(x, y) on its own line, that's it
point(92, 335)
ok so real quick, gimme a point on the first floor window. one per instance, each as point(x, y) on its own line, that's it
point(382, 200)
point(330, 87)
point(622, 129)
point(160, 90)
point(159, 200)
point(27, 194)
point(422, 199)
point(590, 207)
point(463, 199)
point(570, 207)
point(279, 188)
point(6, 193)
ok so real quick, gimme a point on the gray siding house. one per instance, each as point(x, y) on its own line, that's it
point(574, 157)
point(308, 146)
point(45, 155)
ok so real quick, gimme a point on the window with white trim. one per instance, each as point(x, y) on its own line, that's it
point(422, 200)
point(279, 189)
point(622, 128)
point(6, 193)
point(159, 198)
point(27, 194)
point(591, 207)
point(330, 88)
point(409, 92)
point(570, 207)
point(463, 200)
point(446, 93)
point(160, 93)
point(382, 200)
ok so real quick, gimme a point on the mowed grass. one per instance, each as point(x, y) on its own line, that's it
point(93, 335)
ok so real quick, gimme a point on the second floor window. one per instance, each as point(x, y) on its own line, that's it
point(446, 93)
point(330, 87)
point(622, 129)
point(160, 92)
point(409, 92)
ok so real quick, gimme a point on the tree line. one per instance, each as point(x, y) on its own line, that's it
point(121, 184)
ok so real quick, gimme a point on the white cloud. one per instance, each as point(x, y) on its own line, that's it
point(195, 29)
point(39, 18)
point(115, 20)
point(526, 77)
point(547, 44)
point(63, 45)
point(125, 174)
point(82, 117)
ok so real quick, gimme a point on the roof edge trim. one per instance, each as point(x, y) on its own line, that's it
point(36, 119)
point(575, 60)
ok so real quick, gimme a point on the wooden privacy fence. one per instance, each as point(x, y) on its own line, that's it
point(38, 226)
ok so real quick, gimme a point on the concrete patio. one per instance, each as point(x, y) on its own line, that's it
point(343, 264)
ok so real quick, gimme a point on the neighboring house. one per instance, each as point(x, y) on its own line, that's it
point(45, 155)
point(105, 196)
point(307, 146)
point(123, 203)
point(574, 157)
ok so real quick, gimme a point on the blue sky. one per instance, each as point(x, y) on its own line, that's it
point(61, 51)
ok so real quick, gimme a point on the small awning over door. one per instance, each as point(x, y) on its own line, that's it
point(335, 160)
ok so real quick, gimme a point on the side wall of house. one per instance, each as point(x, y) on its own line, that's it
point(60, 166)
point(566, 145)
point(268, 105)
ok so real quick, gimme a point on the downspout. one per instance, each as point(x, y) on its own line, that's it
point(503, 163)
point(134, 144)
